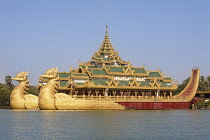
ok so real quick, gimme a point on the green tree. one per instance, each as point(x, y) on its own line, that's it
point(208, 82)
point(202, 84)
point(182, 86)
point(5, 92)
point(33, 90)
point(8, 81)
point(202, 78)
point(207, 103)
point(200, 104)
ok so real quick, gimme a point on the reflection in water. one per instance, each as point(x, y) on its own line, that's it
point(158, 124)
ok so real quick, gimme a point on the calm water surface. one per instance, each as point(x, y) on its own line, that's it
point(103, 125)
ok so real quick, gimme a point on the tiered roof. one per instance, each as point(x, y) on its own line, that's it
point(107, 69)
point(106, 55)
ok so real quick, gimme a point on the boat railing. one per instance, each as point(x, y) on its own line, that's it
point(132, 98)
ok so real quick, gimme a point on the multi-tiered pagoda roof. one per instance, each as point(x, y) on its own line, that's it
point(108, 71)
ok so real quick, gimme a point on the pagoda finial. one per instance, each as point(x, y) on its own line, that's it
point(106, 43)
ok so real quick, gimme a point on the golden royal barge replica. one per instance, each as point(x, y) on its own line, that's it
point(108, 82)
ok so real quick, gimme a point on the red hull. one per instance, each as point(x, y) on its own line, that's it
point(156, 105)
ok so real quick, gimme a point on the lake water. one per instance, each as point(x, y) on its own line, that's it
point(105, 125)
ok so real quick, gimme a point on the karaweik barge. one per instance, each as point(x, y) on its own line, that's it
point(109, 82)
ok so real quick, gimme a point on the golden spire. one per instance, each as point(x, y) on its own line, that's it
point(106, 53)
point(106, 42)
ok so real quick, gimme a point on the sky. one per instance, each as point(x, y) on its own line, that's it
point(37, 35)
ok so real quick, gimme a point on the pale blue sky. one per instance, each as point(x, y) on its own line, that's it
point(173, 35)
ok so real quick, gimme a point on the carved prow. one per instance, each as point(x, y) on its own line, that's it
point(48, 91)
point(19, 99)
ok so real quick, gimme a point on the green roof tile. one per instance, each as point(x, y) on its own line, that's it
point(99, 81)
point(116, 69)
point(144, 84)
point(123, 83)
point(79, 83)
point(97, 72)
point(164, 84)
point(63, 75)
point(154, 74)
point(139, 70)
point(167, 78)
point(63, 83)
point(80, 74)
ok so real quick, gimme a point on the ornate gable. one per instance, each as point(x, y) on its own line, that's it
point(128, 71)
point(134, 83)
point(89, 83)
point(155, 83)
point(112, 82)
